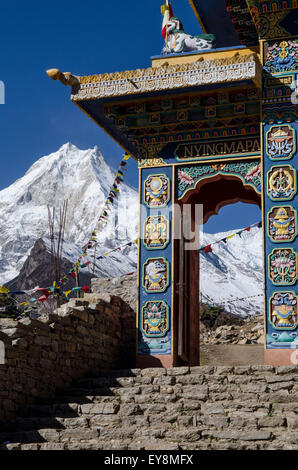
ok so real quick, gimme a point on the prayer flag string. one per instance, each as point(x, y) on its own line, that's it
point(208, 248)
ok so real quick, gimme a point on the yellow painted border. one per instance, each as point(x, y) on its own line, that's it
point(215, 160)
point(173, 332)
point(264, 227)
point(138, 264)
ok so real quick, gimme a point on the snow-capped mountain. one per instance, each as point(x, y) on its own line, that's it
point(83, 178)
point(234, 270)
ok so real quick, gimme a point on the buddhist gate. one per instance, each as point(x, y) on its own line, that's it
point(211, 122)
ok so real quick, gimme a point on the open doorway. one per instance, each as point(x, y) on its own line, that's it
point(231, 287)
point(215, 283)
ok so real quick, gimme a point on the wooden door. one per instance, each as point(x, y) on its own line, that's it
point(187, 305)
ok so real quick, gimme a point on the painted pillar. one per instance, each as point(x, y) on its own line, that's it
point(280, 62)
point(154, 324)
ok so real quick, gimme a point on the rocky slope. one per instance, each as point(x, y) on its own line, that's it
point(38, 270)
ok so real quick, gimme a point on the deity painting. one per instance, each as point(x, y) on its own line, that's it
point(281, 143)
point(281, 183)
point(283, 310)
point(283, 266)
point(282, 224)
point(156, 232)
point(157, 191)
point(156, 275)
point(155, 318)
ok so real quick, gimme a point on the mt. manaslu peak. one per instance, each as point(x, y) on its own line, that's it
point(83, 178)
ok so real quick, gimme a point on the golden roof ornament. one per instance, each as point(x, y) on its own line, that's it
point(66, 78)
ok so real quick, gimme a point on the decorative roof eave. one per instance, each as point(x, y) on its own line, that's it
point(168, 77)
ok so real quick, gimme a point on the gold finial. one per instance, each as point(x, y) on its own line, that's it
point(64, 77)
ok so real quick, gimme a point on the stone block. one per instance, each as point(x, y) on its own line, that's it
point(129, 410)
point(238, 435)
point(242, 370)
point(29, 447)
point(177, 371)
point(281, 386)
point(253, 388)
point(208, 370)
point(292, 421)
point(49, 435)
point(287, 370)
point(80, 313)
point(153, 372)
point(78, 434)
point(272, 421)
point(164, 380)
point(190, 379)
point(52, 446)
point(100, 408)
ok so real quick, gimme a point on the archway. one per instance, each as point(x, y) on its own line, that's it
point(212, 193)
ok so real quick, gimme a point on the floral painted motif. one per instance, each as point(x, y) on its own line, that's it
point(184, 177)
point(283, 266)
point(249, 172)
point(155, 318)
point(253, 173)
point(281, 56)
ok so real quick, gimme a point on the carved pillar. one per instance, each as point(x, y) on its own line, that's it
point(155, 331)
point(280, 62)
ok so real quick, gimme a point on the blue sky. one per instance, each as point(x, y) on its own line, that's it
point(83, 38)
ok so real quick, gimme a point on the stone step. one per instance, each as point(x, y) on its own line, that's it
point(61, 410)
point(210, 415)
point(154, 401)
point(81, 397)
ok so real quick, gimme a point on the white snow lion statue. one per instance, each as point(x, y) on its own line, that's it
point(178, 41)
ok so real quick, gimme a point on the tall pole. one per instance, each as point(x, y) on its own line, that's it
point(167, 3)
point(77, 281)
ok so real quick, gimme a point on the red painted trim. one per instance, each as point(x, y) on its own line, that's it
point(143, 362)
point(281, 357)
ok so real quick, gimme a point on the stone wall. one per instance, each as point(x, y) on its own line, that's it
point(42, 356)
point(185, 408)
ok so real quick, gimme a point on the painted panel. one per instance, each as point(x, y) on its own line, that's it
point(249, 172)
point(155, 263)
point(280, 129)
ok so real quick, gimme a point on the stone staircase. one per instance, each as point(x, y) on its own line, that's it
point(181, 408)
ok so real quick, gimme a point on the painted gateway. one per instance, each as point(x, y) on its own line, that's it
point(211, 122)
